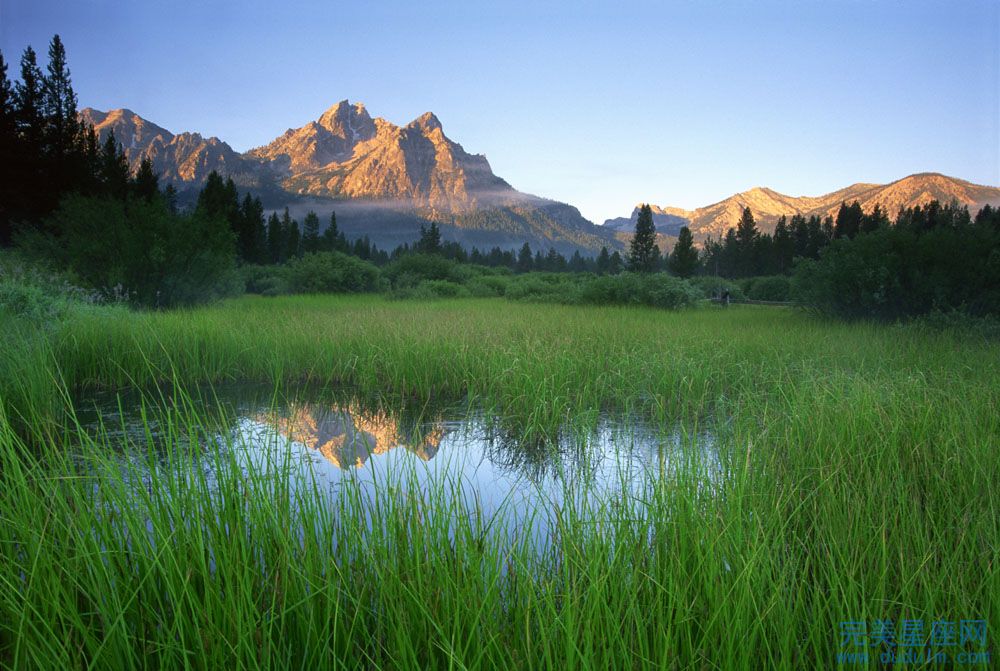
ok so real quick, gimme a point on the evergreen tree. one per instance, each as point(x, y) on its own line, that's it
point(251, 240)
point(746, 244)
point(333, 240)
point(783, 246)
point(576, 263)
point(146, 183)
point(276, 244)
point(58, 104)
point(293, 239)
point(643, 251)
point(617, 264)
point(170, 197)
point(848, 220)
point(603, 261)
point(430, 239)
point(683, 259)
point(310, 233)
point(874, 221)
point(524, 259)
point(10, 150)
point(114, 171)
point(555, 261)
point(28, 103)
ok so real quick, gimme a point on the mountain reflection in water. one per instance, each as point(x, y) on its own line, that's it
point(348, 436)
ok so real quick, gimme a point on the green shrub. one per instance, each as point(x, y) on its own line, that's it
point(651, 289)
point(330, 272)
point(487, 286)
point(409, 270)
point(543, 287)
point(143, 250)
point(429, 289)
point(264, 280)
point(769, 288)
point(897, 272)
point(711, 286)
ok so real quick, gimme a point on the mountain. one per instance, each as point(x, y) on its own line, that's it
point(183, 159)
point(768, 205)
point(382, 180)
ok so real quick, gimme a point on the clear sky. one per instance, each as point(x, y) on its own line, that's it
point(598, 104)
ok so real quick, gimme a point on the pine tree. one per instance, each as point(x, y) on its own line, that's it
point(683, 259)
point(293, 239)
point(310, 232)
point(28, 103)
point(617, 263)
point(146, 183)
point(114, 172)
point(603, 261)
point(746, 243)
point(58, 104)
point(848, 220)
point(430, 239)
point(10, 150)
point(783, 246)
point(276, 244)
point(524, 259)
point(643, 251)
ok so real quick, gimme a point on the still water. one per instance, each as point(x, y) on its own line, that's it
point(325, 442)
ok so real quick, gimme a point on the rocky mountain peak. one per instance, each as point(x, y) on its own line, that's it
point(351, 122)
point(427, 122)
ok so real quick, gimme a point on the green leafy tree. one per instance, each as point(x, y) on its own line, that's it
point(683, 259)
point(643, 252)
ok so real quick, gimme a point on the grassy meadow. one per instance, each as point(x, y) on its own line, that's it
point(861, 469)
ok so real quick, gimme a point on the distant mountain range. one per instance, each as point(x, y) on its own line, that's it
point(382, 180)
point(768, 205)
point(385, 181)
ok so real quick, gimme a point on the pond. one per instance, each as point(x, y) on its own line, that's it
point(326, 442)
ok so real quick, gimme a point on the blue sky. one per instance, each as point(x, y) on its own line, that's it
point(600, 105)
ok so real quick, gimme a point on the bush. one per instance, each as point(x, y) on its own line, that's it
point(710, 286)
point(330, 272)
point(430, 289)
point(769, 288)
point(653, 289)
point(487, 286)
point(896, 272)
point(142, 250)
point(543, 287)
point(32, 292)
point(411, 269)
point(264, 280)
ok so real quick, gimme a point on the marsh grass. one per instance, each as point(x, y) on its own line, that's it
point(860, 468)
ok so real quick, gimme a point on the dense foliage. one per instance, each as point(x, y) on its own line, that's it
point(933, 259)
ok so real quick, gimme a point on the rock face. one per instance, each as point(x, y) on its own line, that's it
point(768, 205)
point(186, 158)
point(382, 180)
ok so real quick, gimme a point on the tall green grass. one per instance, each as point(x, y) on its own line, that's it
point(861, 468)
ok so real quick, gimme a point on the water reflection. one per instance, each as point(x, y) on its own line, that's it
point(331, 443)
point(347, 436)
